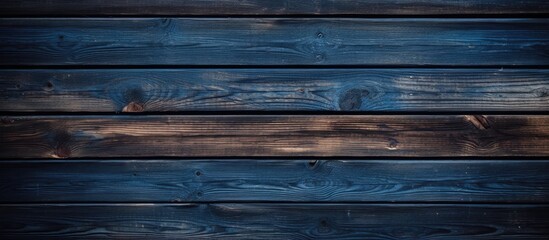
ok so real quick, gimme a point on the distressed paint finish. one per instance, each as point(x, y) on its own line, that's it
point(269, 7)
point(261, 119)
point(367, 90)
point(274, 135)
point(276, 221)
point(281, 180)
point(274, 41)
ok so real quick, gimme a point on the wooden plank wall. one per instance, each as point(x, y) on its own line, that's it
point(261, 119)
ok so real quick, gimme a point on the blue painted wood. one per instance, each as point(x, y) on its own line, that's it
point(274, 41)
point(268, 7)
point(275, 221)
point(236, 180)
point(77, 66)
point(171, 90)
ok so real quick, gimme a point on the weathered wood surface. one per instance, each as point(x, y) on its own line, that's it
point(268, 7)
point(275, 221)
point(467, 181)
point(169, 90)
point(274, 135)
point(274, 41)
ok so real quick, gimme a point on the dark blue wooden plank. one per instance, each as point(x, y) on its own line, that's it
point(268, 7)
point(274, 41)
point(237, 180)
point(170, 90)
point(274, 135)
point(275, 221)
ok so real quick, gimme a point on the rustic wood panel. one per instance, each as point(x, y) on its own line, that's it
point(274, 181)
point(274, 41)
point(152, 90)
point(264, 135)
point(279, 172)
point(275, 221)
point(268, 7)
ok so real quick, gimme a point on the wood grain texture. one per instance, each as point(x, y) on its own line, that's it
point(247, 180)
point(273, 135)
point(274, 41)
point(159, 90)
point(268, 7)
point(275, 221)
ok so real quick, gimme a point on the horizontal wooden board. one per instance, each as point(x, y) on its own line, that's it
point(275, 221)
point(156, 90)
point(273, 135)
point(274, 41)
point(274, 181)
point(268, 7)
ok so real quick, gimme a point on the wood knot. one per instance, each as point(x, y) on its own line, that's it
point(165, 21)
point(352, 99)
point(133, 107)
point(479, 121)
point(61, 139)
point(312, 164)
point(62, 152)
point(320, 35)
point(541, 92)
point(134, 97)
point(323, 226)
point(7, 120)
point(49, 86)
point(393, 144)
point(65, 42)
point(323, 223)
point(199, 194)
point(320, 57)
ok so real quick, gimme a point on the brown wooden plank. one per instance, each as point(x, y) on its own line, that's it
point(264, 135)
point(281, 180)
point(274, 221)
point(268, 7)
point(158, 90)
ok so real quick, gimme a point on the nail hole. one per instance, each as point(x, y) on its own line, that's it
point(198, 173)
point(320, 35)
